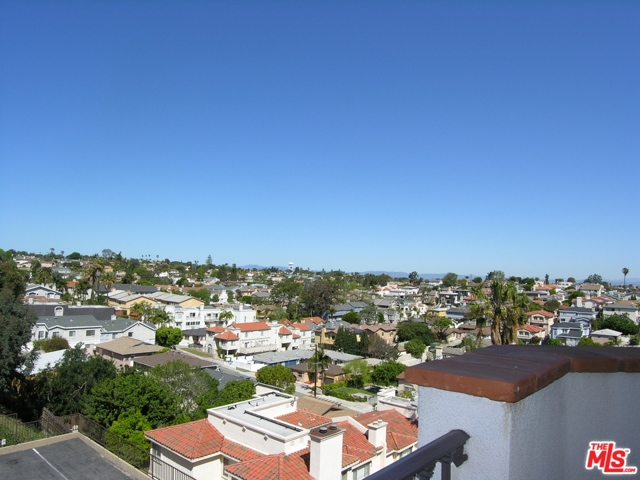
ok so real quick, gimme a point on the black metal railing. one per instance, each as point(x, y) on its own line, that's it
point(163, 471)
point(421, 464)
point(127, 451)
point(14, 432)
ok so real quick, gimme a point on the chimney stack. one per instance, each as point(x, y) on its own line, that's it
point(325, 453)
point(378, 433)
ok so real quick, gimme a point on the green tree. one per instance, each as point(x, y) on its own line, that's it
point(286, 291)
point(595, 278)
point(386, 373)
point(441, 325)
point(359, 372)
point(317, 296)
point(414, 278)
point(73, 379)
point(236, 391)
point(450, 280)
point(410, 330)
point(496, 275)
point(225, 315)
point(278, 376)
point(346, 341)
point(318, 363)
point(551, 305)
point(131, 426)
point(47, 345)
point(168, 336)
point(369, 315)
point(378, 348)
point(16, 323)
point(505, 309)
point(415, 347)
point(133, 391)
point(196, 388)
point(351, 317)
point(203, 294)
point(619, 323)
point(74, 256)
point(625, 271)
point(588, 342)
point(555, 342)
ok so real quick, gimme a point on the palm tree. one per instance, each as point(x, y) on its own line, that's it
point(225, 315)
point(625, 271)
point(108, 279)
point(321, 360)
point(505, 308)
point(81, 289)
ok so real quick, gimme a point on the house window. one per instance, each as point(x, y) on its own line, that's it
point(131, 334)
point(72, 333)
point(40, 334)
point(55, 334)
point(363, 471)
point(91, 333)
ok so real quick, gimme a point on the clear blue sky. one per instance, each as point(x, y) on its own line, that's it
point(429, 136)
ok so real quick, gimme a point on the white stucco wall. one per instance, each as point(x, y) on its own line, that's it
point(546, 435)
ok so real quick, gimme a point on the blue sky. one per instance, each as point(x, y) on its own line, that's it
point(429, 136)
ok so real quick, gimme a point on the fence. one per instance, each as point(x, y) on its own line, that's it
point(127, 451)
point(13, 431)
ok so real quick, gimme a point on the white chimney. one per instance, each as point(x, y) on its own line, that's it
point(579, 302)
point(378, 433)
point(113, 317)
point(325, 453)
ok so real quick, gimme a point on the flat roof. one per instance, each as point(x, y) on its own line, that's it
point(58, 461)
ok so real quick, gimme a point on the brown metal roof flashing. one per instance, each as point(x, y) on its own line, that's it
point(509, 373)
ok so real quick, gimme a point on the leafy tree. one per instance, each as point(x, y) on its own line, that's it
point(378, 348)
point(551, 305)
point(470, 343)
point(369, 315)
point(595, 278)
point(286, 291)
point(576, 294)
point(588, 342)
point(450, 280)
point(346, 341)
point(414, 278)
point(196, 388)
point(369, 280)
point(619, 323)
point(351, 317)
point(74, 256)
point(477, 280)
point(386, 373)
point(278, 376)
point(359, 372)
point(168, 336)
point(415, 347)
point(47, 345)
point(129, 392)
point(571, 280)
point(556, 342)
point(236, 391)
point(230, 296)
point(496, 275)
point(528, 283)
point(441, 325)
point(318, 296)
point(72, 380)
point(410, 330)
point(16, 323)
point(183, 282)
point(131, 426)
point(202, 294)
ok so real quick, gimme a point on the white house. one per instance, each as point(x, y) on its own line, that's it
point(47, 291)
point(269, 437)
point(627, 309)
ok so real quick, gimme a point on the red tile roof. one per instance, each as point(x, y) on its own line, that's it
point(532, 328)
point(284, 331)
point(316, 320)
point(294, 466)
point(251, 326)
point(192, 440)
point(216, 329)
point(354, 443)
point(544, 313)
point(305, 419)
point(301, 326)
point(295, 335)
point(401, 432)
point(227, 336)
point(239, 452)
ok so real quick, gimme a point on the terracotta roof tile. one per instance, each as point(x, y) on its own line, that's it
point(301, 326)
point(192, 440)
point(354, 443)
point(273, 467)
point(401, 432)
point(250, 326)
point(227, 336)
point(305, 419)
point(544, 313)
point(216, 329)
point(284, 331)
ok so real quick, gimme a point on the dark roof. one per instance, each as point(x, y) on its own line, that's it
point(100, 312)
point(224, 377)
point(195, 332)
point(162, 358)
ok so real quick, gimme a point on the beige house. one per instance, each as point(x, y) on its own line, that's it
point(123, 350)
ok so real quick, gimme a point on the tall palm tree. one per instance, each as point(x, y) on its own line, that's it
point(320, 360)
point(625, 271)
point(225, 315)
point(108, 279)
point(504, 308)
